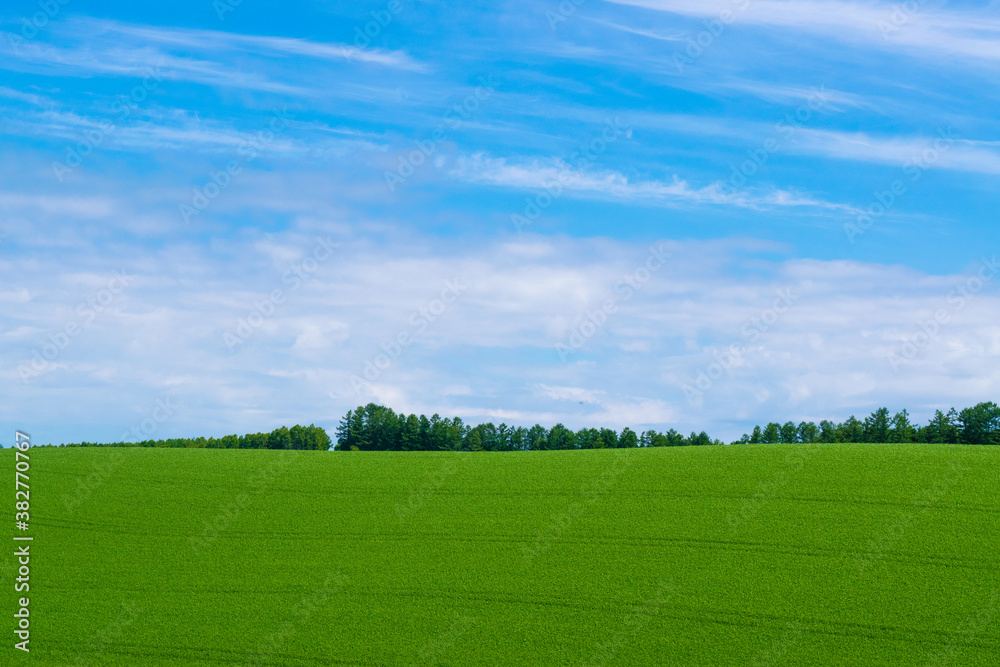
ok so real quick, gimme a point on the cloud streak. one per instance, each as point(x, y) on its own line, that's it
point(926, 33)
point(538, 174)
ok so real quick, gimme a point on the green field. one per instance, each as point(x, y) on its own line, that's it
point(738, 555)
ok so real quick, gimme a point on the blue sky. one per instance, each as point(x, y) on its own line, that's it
point(220, 218)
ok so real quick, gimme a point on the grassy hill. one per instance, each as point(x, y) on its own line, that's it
point(749, 555)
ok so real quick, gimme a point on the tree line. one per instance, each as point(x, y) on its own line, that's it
point(297, 437)
point(378, 428)
point(978, 425)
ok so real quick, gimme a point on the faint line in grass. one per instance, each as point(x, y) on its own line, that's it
point(776, 652)
point(922, 503)
point(420, 495)
point(228, 513)
point(767, 490)
point(590, 493)
point(434, 650)
point(634, 623)
point(970, 629)
point(300, 614)
point(99, 643)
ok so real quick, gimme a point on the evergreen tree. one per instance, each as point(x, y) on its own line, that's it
point(586, 438)
point(425, 434)
point(536, 438)
point(980, 424)
point(519, 439)
point(473, 441)
point(851, 430)
point(772, 433)
point(409, 434)
point(827, 431)
point(876, 428)
point(503, 438)
point(561, 437)
point(900, 429)
point(700, 439)
point(808, 432)
point(789, 432)
point(490, 437)
point(453, 433)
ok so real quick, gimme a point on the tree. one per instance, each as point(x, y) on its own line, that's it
point(609, 437)
point(628, 438)
point(756, 437)
point(490, 437)
point(589, 438)
point(362, 435)
point(561, 437)
point(807, 432)
point(279, 438)
point(827, 431)
point(425, 434)
point(254, 441)
point(980, 425)
point(651, 438)
point(518, 439)
point(503, 438)
point(381, 428)
point(436, 439)
point(298, 437)
point(900, 429)
point(537, 438)
point(772, 433)
point(876, 427)
point(851, 430)
point(453, 434)
point(700, 439)
point(789, 432)
point(319, 438)
point(473, 441)
point(942, 427)
point(409, 434)
point(674, 439)
point(309, 437)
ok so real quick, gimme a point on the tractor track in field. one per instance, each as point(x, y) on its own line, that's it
point(206, 656)
point(647, 541)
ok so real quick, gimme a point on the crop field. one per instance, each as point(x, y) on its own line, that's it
point(735, 555)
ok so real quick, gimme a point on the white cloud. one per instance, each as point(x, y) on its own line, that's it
point(946, 150)
point(925, 33)
point(556, 175)
point(206, 57)
point(256, 44)
point(491, 352)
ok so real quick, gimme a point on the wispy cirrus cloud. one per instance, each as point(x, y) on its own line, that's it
point(949, 149)
point(214, 40)
point(553, 173)
point(208, 57)
point(924, 33)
